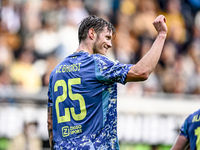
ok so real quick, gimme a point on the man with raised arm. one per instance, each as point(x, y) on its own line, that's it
point(82, 104)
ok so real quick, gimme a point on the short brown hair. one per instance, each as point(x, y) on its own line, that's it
point(96, 23)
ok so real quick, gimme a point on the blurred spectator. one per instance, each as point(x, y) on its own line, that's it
point(175, 21)
point(128, 7)
point(169, 54)
point(167, 81)
point(6, 54)
point(47, 30)
point(10, 16)
point(5, 85)
point(51, 63)
point(75, 11)
point(68, 31)
point(29, 139)
point(46, 40)
point(145, 45)
point(4, 76)
point(24, 74)
point(49, 11)
point(99, 7)
point(125, 43)
point(196, 81)
point(191, 67)
point(151, 86)
point(30, 17)
point(147, 10)
point(196, 30)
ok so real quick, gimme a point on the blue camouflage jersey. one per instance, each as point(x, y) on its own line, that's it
point(191, 130)
point(83, 96)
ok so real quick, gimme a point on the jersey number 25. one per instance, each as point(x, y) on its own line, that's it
point(72, 96)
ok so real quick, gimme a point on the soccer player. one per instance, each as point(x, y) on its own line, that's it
point(82, 104)
point(189, 137)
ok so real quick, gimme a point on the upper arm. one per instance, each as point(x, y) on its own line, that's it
point(181, 143)
point(136, 74)
point(108, 70)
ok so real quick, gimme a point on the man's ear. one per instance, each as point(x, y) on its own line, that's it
point(92, 33)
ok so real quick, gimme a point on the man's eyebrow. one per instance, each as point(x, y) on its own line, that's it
point(108, 36)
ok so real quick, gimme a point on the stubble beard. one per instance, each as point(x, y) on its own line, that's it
point(95, 46)
point(95, 51)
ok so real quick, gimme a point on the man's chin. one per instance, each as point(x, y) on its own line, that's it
point(102, 53)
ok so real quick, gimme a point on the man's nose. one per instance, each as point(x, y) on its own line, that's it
point(109, 44)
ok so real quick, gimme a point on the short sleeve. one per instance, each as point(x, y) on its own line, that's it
point(184, 129)
point(110, 70)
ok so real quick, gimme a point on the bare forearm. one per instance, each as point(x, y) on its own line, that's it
point(50, 127)
point(151, 58)
point(145, 66)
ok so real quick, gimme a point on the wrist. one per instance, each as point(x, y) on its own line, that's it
point(162, 35)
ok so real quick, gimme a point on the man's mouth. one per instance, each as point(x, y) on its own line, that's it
point(106, 47)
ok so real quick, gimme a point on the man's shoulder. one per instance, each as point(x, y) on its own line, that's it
point(193, 117)
point(104, 58)
point(197, 112)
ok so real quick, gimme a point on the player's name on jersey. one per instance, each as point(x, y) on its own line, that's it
point(68, 68)
point(196, 118)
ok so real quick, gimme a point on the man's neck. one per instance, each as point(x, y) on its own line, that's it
point(85, 47)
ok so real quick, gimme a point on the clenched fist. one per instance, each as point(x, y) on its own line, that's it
point(160, 25)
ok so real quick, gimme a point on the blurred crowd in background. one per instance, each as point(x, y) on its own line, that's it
point(35, 35)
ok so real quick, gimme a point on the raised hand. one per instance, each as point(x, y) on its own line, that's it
point(160, 25)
